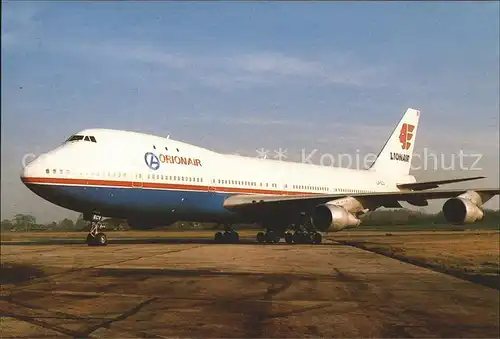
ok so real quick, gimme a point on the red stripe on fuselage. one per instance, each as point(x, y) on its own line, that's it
point(155, 185)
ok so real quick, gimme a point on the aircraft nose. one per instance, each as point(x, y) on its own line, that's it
point(32, 170)
point(27, 172)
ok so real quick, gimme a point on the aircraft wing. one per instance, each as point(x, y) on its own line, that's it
point(268, 203)
point(424, 185)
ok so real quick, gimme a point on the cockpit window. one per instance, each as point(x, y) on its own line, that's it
point(75, 138)
point(82, 137)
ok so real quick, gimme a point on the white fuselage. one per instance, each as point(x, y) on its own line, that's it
point(124, 172)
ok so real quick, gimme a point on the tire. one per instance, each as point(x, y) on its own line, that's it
point(261, 237)
point(91, 241)
point(272, 237)
point(235, 237)
point(219, 237)
point(289, 238)
point(317, 238)
point(101, 239)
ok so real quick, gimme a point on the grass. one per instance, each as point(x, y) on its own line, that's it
point(473, 256)
point(429, 227)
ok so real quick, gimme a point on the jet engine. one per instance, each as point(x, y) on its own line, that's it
point(464, 209)
point(332, 218)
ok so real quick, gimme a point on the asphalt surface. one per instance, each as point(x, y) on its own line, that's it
point(200, 289)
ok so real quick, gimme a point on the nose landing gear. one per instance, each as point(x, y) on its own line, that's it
point(96, 238)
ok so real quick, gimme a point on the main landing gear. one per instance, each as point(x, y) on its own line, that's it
point(300, 236)
point(270, 237)
point(303, 237)
point(96, 238)
point(229, 236)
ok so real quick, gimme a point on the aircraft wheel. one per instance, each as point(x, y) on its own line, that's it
point(218, 237)
point(289, 238)
point(297, 238)
point(261, 237)
point(301, 238)
point(317, 238)
point(231, 237)
point(101, 239)
point(91, 241)
point(272, 237)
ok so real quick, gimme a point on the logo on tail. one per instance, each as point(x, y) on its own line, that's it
point(405, 135)
point(395, 157)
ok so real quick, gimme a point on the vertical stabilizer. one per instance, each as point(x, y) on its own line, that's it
point(395, 157)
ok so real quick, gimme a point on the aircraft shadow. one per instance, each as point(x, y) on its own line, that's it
point(145, 241)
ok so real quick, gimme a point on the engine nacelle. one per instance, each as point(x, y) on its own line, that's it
point(332, 218)
point(461, 210)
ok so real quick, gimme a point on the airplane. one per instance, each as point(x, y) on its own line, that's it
point(152, 181)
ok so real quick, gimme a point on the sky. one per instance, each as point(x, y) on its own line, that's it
point(334, 77)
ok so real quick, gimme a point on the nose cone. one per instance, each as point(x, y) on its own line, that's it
point(32, 171)
point(27, 171)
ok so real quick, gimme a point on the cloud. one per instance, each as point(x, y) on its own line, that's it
point(126, 52)
point(232, 70)
point(337, 70)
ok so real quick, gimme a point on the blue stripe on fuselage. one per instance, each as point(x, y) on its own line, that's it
point(125, 202)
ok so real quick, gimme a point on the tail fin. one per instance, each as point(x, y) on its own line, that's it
point(395, 157)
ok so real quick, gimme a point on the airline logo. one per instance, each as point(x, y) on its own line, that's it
point(405, 135)
point(400, 157)
point(153, 161)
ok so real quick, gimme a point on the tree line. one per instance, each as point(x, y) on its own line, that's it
point(383, 217)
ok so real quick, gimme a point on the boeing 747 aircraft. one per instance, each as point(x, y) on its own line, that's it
point(153, 181)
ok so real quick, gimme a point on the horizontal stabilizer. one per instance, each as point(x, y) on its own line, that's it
point(424, 185)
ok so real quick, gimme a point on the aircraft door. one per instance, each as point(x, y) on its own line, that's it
point(211, 186)
point(137, 181)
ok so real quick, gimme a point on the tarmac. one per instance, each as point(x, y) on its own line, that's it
point(199, 289)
